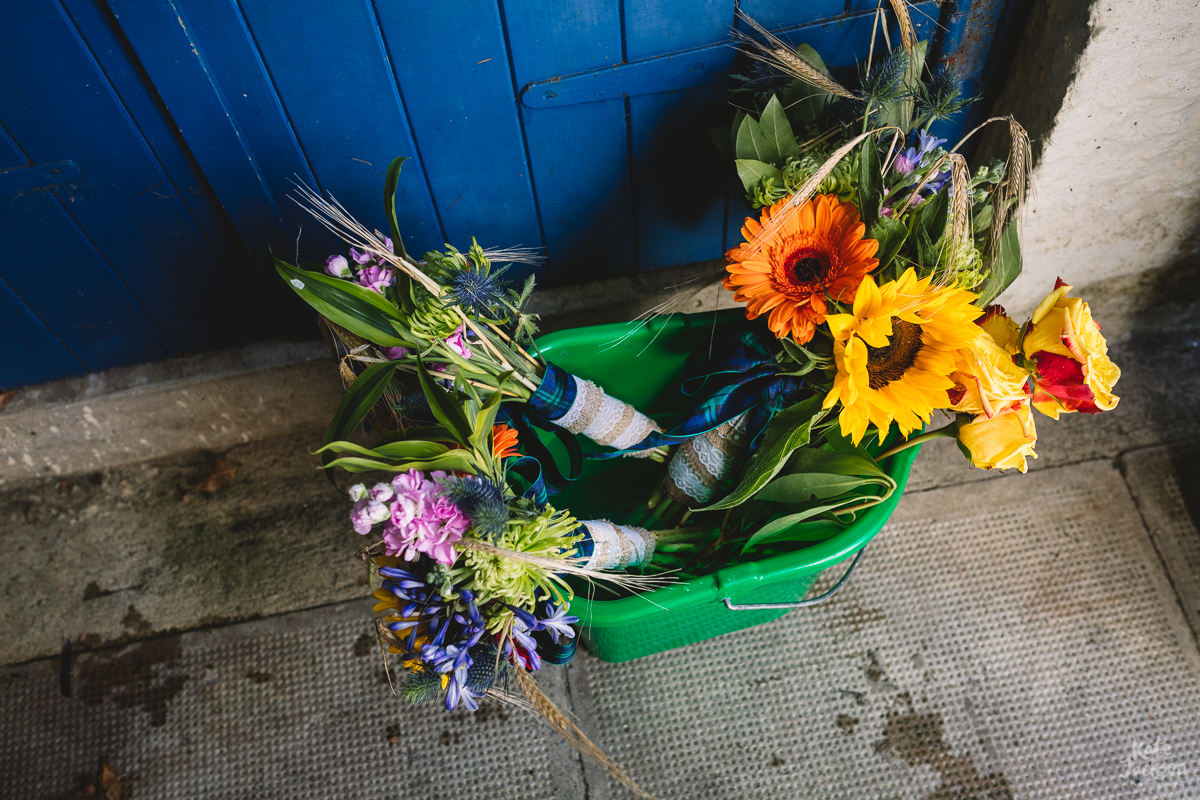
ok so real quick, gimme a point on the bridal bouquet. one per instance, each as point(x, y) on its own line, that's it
point(868, 279)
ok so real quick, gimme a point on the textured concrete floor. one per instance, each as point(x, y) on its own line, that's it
point(1007, 636)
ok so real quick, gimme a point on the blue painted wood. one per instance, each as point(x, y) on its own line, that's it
point(579, 154)
point(18, 180)
point(775, 14)
point(655, 27)
point(465, 121)
point(101, 30)
point(209, 74)
point(330, 66)
point(845, 40)
point(124, 203)
point(31, 353)
point(215, 106)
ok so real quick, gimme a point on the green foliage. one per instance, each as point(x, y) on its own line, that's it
point(820, 482)
point(357, 309)
point(891, 235)
point(870, 182)
point(788, 431)
point(390, 183)
point(1006, 266)
point(777, 130)
point(753, 173)
point(356, 404)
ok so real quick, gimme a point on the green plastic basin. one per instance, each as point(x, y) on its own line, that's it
point(645, 370)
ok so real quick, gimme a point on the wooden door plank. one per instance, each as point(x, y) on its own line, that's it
point(679, 184)
point(123, 201)
point(462, 106)
point(132, 84)
point(50, 264)
point(580, 154)
point(655, 27)
point(31, 353)
point(328, 63)
point(774, 14)
point(209, 74)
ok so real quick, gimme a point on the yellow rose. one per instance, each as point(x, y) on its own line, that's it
point(986, 379)
point(1003, 441)
point(1074, 372)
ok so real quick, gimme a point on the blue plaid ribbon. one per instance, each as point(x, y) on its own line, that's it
point(538, 467)
point(741, 376)
point(554, 394)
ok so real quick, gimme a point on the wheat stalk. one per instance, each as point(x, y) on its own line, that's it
point(567, 729)
point(908, 33)
point(783, 57)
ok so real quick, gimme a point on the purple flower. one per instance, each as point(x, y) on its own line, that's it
point(422, 519)
point(458, 343)
point(376, 278)
point(559, 622)
point(394, 353)
point(338, 267)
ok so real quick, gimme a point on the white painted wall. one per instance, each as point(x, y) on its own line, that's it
point(1117, 188)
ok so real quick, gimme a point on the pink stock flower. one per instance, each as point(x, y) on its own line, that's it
point(422, 519)
point(376, 278)
point(457, 342)
point(338, 267)
point(370, 506)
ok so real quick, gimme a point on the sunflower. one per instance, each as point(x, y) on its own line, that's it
point(818, 253)
point(896, 351)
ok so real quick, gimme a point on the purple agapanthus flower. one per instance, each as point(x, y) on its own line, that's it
point(558, 623)
point(911, 158)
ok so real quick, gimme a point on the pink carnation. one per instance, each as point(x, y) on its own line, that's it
point(422, 519)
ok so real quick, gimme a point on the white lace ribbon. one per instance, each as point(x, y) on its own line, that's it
point(617, 546)
point(605, 419)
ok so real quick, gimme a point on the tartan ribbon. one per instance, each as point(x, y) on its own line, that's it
point(538, 467)
point(740, 376)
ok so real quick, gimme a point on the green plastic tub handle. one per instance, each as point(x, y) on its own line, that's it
point(732, 606)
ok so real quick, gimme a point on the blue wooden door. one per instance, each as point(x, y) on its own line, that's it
point(149, 148)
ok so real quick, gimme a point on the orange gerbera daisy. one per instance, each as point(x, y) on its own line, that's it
point(504, 442)
point(819, 253)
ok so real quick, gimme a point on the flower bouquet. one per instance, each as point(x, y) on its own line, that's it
point(868, 280)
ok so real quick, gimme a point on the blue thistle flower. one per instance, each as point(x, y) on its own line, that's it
point(477, 289)
point(482, 501)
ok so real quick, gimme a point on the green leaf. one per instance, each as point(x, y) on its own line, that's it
point(753, 144)
point(753, 172)
point(461, 460)
point(870, 182)
point(445, 408)
point(1006, 266)
point(788, 431)
point(485, 418)
point(802, 487)
point(788, 528)
point(890, 234)
point(356, 404)
point(803, 100)
point(815, 459)
point(411, 448)
point(778, 131)
point(357, 309)
point(738, 116)
point(390, 184)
